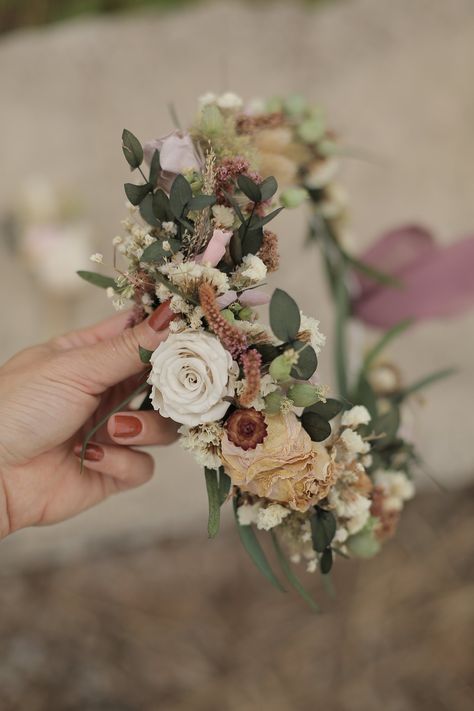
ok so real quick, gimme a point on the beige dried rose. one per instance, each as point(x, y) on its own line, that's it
point(287, 467)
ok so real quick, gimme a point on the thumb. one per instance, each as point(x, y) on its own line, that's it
point(104, 364)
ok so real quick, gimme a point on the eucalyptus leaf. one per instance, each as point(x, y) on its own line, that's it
point(155, 168)
point(251, 241)
point(316, 426)
point(146, 211)
point(328, 409)
point(366, 396)
point(144, 354)
point(97, 279)
point(268, 188)
point(200, 202)
point(252, 546)
point(307, 361)
point(224, 485)
point(161, 206)
point(285, 316)
point(235, 248)
point(136, 193)
point(180, 195)
point(249, 188)
point(212, 486)
point(267, 351)
point(323, 529)
point(290, 575)
point(156, 253)
point(325, 562)
point(257, 221)
point(386, 426)
point(132, 149)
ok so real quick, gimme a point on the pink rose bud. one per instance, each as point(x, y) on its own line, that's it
point(226, 299)
point(215, 249)
point(254, 297)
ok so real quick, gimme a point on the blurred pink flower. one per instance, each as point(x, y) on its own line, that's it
point(436, 281)
point(215, 249)
point(254, 297)
point(177, 154)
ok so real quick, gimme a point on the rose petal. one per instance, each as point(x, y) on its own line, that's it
point(254, 297)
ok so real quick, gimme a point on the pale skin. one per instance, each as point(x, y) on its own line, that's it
point(50, 397)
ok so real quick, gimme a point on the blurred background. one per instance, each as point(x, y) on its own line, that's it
point(129, 607)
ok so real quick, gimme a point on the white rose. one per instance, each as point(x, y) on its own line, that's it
point(191, 375)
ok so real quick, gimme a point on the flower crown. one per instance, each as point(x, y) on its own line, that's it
point(293, 461)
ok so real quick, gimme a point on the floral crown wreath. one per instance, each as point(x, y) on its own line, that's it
point(325, 477)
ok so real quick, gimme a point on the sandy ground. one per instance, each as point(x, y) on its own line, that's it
point(191, 626)
point(396, 79)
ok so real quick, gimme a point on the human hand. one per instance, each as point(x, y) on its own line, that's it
point(51, 395)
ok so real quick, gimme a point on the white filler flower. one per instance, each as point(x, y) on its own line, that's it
point(191, 375)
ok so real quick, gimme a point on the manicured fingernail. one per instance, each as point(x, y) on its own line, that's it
point(93, 453)
point(161, 317)
point(127, 426)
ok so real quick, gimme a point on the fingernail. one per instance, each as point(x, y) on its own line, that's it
point(93, 452)
point(161, 317)
point(127, 426)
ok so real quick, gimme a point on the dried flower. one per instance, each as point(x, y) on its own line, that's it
point(246, 428)
point(232, 339)
point(287, 467)
point(251, 362)
point(268, 251)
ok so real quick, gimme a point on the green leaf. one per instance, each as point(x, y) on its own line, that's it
point(146, 211)
point(268, 188)
point(212, 486)
point(340, 346)
point(136, 193)
point(384, 341)
point(323, 529)
point(155, 168)
point(155, 252)
point(327, 410)
point(307, 361)
point(161, 206)
point(235, 248)
point(325, 562)
point(285, 316)
point(267, 351)
point(255, 551)
point(98, 279)
point(316, 426)
point(249, 188)
point(144, 354)
point(257, 221)
point(180, 195)
point(141, 388)
point(424, 382)
point(200, 202)
point(224, 485)
point(132, 149)
point(290, 575)
point(251, 240)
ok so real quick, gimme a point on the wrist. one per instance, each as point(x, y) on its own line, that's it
point(5, 521)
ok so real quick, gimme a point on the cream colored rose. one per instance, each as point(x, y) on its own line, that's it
point(191, 376)
point(287, 467)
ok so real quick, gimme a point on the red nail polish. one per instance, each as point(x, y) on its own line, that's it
point(127, 426)
point(93, 453)
point(161, 317)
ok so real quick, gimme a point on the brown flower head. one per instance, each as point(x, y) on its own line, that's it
point(246, 428)
point(268, 252)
